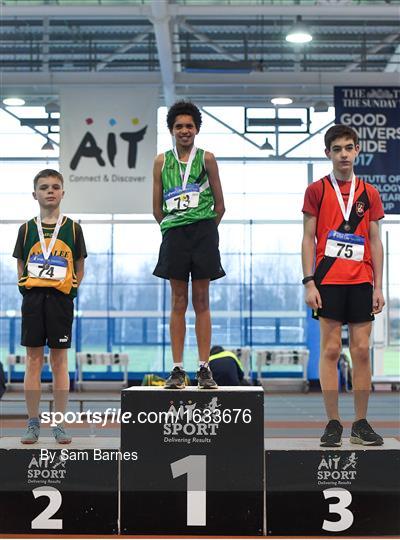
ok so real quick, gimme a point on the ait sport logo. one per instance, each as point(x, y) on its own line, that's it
point(41, 471)
point(184, 427)
point(337, 469)
point(360, 207)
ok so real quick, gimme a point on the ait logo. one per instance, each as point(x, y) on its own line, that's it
point(191, 419)
point(89, 148)
point(41, 471)
point(337, 469)
point(360, 208)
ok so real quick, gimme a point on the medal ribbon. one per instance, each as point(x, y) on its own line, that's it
point(345, 210)
point(185, 176)
point(47, 250)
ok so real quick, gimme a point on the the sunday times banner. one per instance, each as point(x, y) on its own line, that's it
point(374, 113)
point(108, 143)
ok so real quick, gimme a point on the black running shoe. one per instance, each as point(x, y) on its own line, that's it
point(176, 380)
point(332, 435)
point(205, 379)
point(362, 433)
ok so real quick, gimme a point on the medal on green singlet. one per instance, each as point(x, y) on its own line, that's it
point(187, 196)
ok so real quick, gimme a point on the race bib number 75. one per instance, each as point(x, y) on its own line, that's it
point(345, 246)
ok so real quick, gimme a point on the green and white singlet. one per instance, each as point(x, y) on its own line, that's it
point(171, 178)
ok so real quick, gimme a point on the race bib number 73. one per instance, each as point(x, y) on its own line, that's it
point(179, 199)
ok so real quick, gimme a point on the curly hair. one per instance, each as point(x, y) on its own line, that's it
point(184, 107)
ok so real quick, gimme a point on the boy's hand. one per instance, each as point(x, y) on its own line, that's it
point(378, 301)
point(313, 298)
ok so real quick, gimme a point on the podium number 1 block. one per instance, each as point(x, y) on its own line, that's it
point(200, 467)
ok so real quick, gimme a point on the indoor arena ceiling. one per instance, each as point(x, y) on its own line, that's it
point(215, 52)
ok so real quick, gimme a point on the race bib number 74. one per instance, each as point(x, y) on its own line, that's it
point(54, 268)
point(345, 246)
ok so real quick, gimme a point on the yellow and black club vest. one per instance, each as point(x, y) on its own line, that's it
point(64, 247)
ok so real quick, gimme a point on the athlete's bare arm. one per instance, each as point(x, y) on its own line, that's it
point(20, 268)
point(157, 189)
point(215, 185)
point(312, 296)
point(80, 269)
point(378, 300)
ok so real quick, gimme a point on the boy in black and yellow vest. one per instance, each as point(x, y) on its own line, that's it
point(50, 250)
point(188, 204)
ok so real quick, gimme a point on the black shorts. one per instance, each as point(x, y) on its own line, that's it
point(346, 303)
point(47, 316)
point(190, 249)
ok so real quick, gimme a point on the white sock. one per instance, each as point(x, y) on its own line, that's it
point(178, 364)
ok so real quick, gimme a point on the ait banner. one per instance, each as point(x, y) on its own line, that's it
point(108, 143)
point(374, 113)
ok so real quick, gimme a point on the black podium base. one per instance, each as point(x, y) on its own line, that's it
point(201, 485)
point(348, 491)
point(201, 474)
point(53, 489)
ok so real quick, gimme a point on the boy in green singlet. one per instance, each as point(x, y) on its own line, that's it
point(188, 204)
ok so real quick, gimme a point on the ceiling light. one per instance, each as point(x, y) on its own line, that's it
point(281, 100)
point(266, 145)
point(299, 33)
point(48, 145)
point(14, 102)
point(321, 106)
